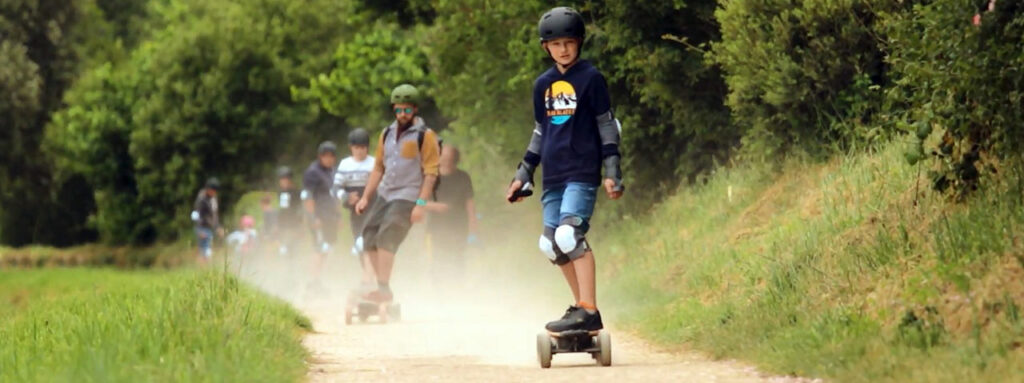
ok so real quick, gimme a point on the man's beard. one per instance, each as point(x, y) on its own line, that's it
point(406, 124)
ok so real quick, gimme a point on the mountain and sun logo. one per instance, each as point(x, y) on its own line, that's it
point(560, 100)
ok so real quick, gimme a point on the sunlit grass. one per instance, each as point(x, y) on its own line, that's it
point(98, 325)
point(831, 270)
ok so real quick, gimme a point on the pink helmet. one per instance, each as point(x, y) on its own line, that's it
point(248, 222)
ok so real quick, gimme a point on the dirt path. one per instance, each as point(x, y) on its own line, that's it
point(484, 333)
point(481, 345)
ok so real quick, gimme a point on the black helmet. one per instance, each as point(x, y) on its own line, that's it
point(561, 22)
point(327, 146)
point(359, 137)
point(213, 183)
point(284, 171)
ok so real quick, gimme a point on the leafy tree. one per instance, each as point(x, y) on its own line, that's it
point(38, 60)
point(671, 100)
point(961, 81)
point(406, 12)
point(91, 139)
point(484, 57)
point(366, 68)
point(208, 94)
point(801, 73)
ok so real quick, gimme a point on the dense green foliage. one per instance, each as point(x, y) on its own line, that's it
point(38, 61)
point(172, 92)
point(102, 325)
point(959, 84)
point(801, 74)
point(366, 68)
point(209, 94)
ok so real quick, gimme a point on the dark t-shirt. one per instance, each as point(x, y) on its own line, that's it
point(206, 206)
point(454, 190)
point(289, 209)
point(316, 185)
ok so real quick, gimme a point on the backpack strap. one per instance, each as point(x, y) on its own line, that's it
point(419, 138)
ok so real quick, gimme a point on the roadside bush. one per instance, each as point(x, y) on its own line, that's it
point(959, 83)
point(802, 74)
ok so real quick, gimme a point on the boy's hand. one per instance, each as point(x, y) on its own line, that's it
point(417, 214)
point(516, 185)
point(361, 206)
point(609, 187)
point(353, 198)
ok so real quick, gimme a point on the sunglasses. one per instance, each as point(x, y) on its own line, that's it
point(403, 110)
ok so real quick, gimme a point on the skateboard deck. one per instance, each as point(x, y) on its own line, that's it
point(573, 333)
point(363, 309)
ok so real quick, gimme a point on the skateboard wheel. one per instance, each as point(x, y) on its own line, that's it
point(604, 343)
point(544, 348)
point(395, 312)
point(383, 313)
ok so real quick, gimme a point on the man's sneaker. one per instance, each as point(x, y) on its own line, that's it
point(578, 319)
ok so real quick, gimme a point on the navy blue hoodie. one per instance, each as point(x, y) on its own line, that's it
point(566, 106)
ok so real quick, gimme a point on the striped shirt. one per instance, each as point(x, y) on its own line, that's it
point(351, 176)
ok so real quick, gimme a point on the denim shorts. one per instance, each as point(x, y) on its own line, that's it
point(205, 243)
point(574, 199)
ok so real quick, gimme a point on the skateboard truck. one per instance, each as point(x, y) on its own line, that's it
point(596, 343)
point(363, 309)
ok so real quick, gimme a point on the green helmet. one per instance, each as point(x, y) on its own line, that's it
point(405, 94)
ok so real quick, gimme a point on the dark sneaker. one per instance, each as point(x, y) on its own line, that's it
point(577, 319)
point(569, 311)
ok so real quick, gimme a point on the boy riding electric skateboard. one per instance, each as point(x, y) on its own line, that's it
point(574, 135)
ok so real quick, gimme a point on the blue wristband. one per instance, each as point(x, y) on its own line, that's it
point(421, 202)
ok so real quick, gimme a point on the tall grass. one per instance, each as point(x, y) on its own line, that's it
point(96, 325)
point(169, 255)
point(849, 270)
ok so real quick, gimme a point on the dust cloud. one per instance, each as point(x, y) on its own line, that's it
point(479, 329)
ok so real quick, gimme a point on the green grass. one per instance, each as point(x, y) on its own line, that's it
point(156, 256)
point(831, 270)
point(101, 325)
